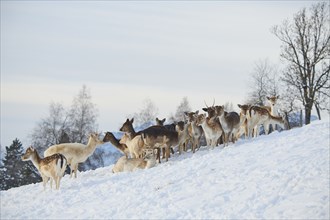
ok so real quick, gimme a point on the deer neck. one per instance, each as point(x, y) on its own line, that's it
point(91, 146)
point(273, 110)
point(36, 159)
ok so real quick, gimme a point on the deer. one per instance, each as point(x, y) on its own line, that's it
point(244, 116)
point(115, 142)
point(75, 153)
point(183, 135)
point(131, 164)
point(195, 131)
point(171, 127)
point(159, 137)
point(272, 107)
point(230, 123)
point(135, 146)
point(51, 167)
point(261, 116)
point(211, 127)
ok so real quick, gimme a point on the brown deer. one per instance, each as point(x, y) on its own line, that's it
point(230, 123)
point(159, 137)
point(211, 127)
point(244, 116)
point(183, 135)
point(52, 167)
point(195, 131)
point(115, 142)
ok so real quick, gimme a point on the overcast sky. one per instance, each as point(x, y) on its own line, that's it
point(125, 52)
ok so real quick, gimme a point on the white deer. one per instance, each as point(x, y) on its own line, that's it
point(75, 153)
point(131, 164)
point(211, 127)
point(52, 167)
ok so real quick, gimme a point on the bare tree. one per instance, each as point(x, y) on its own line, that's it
point(184, 106)
point(50, 130)
point(305, 49)
point(264, 82)
point(82, 116)
point(147, 114)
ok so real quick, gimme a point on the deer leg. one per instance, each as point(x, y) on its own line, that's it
point(44, 180)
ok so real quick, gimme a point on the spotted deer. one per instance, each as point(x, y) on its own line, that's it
point(195, 131)
point(261, 116)
point(211, 127)
point(131, 164)
point(115, 142)
point(51, 167)
point(230, 123)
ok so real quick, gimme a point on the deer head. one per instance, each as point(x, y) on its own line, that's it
point(28, 154)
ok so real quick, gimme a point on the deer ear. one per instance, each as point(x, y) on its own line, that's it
point(278, 96)
point(132, 120)
point(186, 113)
point(164, 119)
point(239, 105)
point(267, 97)
point(197, 112)
point(31, 148)
point(204, 109)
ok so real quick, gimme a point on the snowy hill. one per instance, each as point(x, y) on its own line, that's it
point(280, 176)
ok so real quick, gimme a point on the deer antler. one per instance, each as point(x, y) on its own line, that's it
point(205, 104)
point(213, 102)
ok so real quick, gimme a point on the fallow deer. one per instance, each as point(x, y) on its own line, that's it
point(52, 167)
point(195, 131)
point(211, 127)
point(244, 116)
point(115, 142)
point(159, 137)
point(230, 123)
point(261, 116)
point(135, 145)
point(131, 164)
point(183, 135)
point(75, 153)
point(170, 127)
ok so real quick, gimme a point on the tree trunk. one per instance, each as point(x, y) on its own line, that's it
point(318, 110)
point(308, 113)
point(301, 118)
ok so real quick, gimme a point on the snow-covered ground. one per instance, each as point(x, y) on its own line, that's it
point(280, 176)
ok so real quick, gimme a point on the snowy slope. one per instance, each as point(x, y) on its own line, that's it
point(280, 176)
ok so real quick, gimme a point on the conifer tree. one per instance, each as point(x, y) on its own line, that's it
point(14, 172)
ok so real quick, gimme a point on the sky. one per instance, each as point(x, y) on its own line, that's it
point(129, 51)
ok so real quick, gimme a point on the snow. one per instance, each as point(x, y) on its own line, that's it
point(279, 176)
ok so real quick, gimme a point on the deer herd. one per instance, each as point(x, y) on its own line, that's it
point(143, 148)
